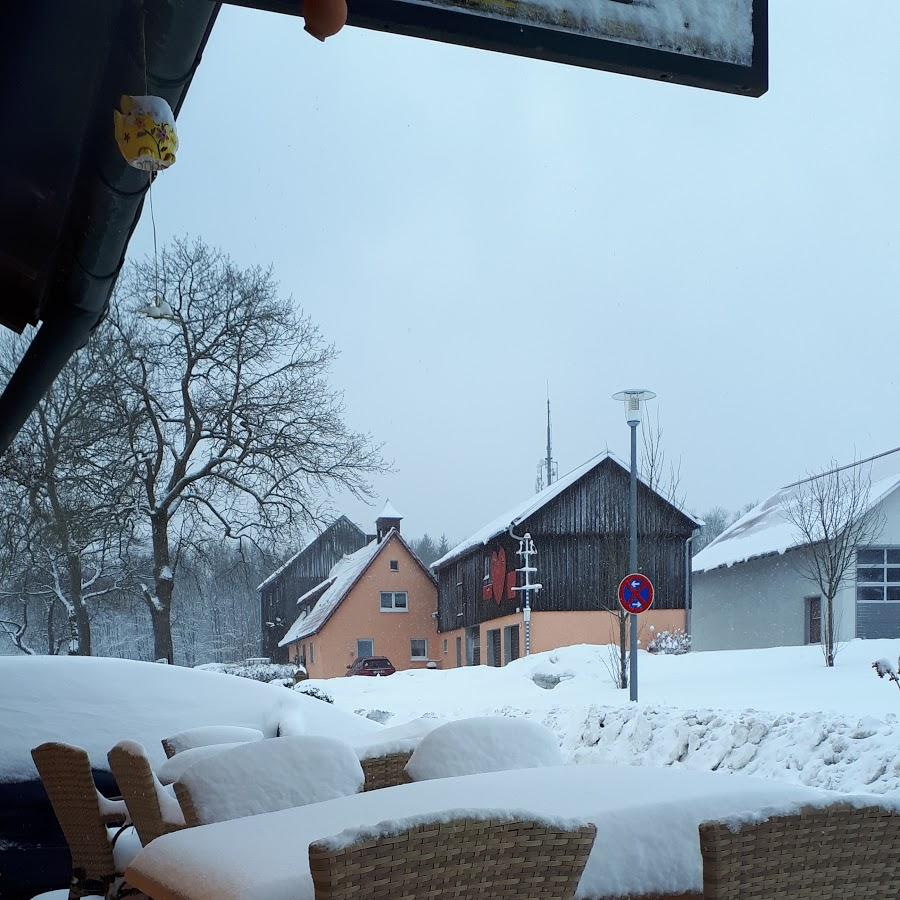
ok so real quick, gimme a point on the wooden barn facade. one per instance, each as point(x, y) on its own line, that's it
point(300, 574)
point(579, 525)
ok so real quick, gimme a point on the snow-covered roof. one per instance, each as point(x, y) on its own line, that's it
point(529, 507)
point(342, 577)
point(765, 530)
point(389, 511)
point(303, 550)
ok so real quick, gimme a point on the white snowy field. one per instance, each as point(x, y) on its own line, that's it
point(776, 713)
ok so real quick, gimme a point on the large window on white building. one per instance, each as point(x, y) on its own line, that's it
point(878, 575)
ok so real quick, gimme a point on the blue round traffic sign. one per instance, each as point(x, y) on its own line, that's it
point(635, 593)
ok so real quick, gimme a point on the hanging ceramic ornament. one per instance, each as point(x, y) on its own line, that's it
point(324, 18)
point(145, 132)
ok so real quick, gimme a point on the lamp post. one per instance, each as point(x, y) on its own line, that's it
point(632, 399)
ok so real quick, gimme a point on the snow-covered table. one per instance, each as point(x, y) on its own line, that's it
point(647, 828)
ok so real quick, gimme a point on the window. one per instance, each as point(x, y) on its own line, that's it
point(813, 620)
point(487, 567)
point(445, 646)
point(511, 642)
point(365, 647)
point(878, 575)
point(395, 565)
point(312, 653)
point(493, 647)
point(394, 601)
point(418, 648)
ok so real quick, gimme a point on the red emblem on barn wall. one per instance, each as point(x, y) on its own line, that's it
point(501, 585)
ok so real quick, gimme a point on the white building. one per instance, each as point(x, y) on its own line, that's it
point(749, 592)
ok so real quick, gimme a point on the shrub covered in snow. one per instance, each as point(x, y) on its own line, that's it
point(285, 673)
point(884, 668)
point(483, 744)
point(312, 691)
point(670, 642)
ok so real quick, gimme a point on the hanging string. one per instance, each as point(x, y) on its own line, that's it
point(156, 297)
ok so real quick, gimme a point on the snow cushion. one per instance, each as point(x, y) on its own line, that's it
point(172, 769)
point(266, 776)
point(212, 734)
point(483, 744)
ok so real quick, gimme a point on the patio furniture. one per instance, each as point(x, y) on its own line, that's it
point(385, 771)
point(515, 859)
point(483, 744)
point(205, 735)
point(99, 854)
point(175, 766)
point(837, 853)
point(153, 807)
point(648, 829)
point(266, 776)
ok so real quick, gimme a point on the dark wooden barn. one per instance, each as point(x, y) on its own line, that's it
point(579, 525)
point(299, 575)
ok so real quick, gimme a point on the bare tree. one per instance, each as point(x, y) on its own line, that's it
point(228, 412)
point(70, 475)
point(831, 514)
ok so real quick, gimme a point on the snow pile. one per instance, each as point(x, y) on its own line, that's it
point(714, 702)
point(398, 739)
point(265, 856)
point(483, 744)
point(266, 776)
point(172, 769)
point(95, 702)
point(212, 734)
point(258, 671)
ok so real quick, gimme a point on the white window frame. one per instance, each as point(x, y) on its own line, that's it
point(394, 565)
point(884, 583)
point(363, 641)
point(393, 608)
point(415, 641)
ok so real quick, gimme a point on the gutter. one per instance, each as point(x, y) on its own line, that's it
point(108, 194)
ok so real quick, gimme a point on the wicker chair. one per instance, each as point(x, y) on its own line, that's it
point(459, 859)
point(83, 814)
point(385, 771)
point(143, 793)
point(837, 853)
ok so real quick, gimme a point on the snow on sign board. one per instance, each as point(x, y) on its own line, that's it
point(714, 44)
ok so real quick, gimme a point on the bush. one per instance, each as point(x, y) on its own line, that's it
point(670, 642)
point(259, 671)
point(312, 691)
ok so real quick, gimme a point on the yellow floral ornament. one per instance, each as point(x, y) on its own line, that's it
point(145, 132)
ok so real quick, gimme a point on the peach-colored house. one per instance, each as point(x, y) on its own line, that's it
point(379, 601)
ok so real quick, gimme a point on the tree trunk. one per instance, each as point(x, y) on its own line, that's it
point(829, 632)
point(51, 631)
point(82, 623)
point(160, 603)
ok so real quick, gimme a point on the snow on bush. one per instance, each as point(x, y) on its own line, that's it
point(265, 776)
point(312, 691)
point(265, 672)
point(670, 642)
point(884, 668)
point(483, 744)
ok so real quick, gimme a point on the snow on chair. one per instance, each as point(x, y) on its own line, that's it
point(153, 807)
point(834, 853)
point(453, 855)
point(98, 855)
point(206, 735)
point(266, 776)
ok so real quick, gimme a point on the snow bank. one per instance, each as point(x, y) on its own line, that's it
point(483, 744)
point(95, 702)
point(718, 702)
point(266, 776)
point(172, 769)
point(212, 734)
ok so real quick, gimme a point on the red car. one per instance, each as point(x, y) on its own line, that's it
point(371, 665)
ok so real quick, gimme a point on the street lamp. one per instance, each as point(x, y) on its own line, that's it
point(632, 399)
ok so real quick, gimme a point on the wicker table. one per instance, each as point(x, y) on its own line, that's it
point(647, 829)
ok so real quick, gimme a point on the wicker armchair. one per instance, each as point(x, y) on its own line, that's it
point(83, 814)
point(385, 771)
point(143, 793)
point(837, 853)
point(464, 858)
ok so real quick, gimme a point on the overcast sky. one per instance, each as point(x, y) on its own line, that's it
point(468, 226)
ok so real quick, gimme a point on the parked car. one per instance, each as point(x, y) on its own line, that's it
point(371, 665)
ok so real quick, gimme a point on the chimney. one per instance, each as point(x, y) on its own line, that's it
point(387, 519)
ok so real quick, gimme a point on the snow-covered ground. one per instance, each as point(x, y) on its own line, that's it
point(776, 713)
